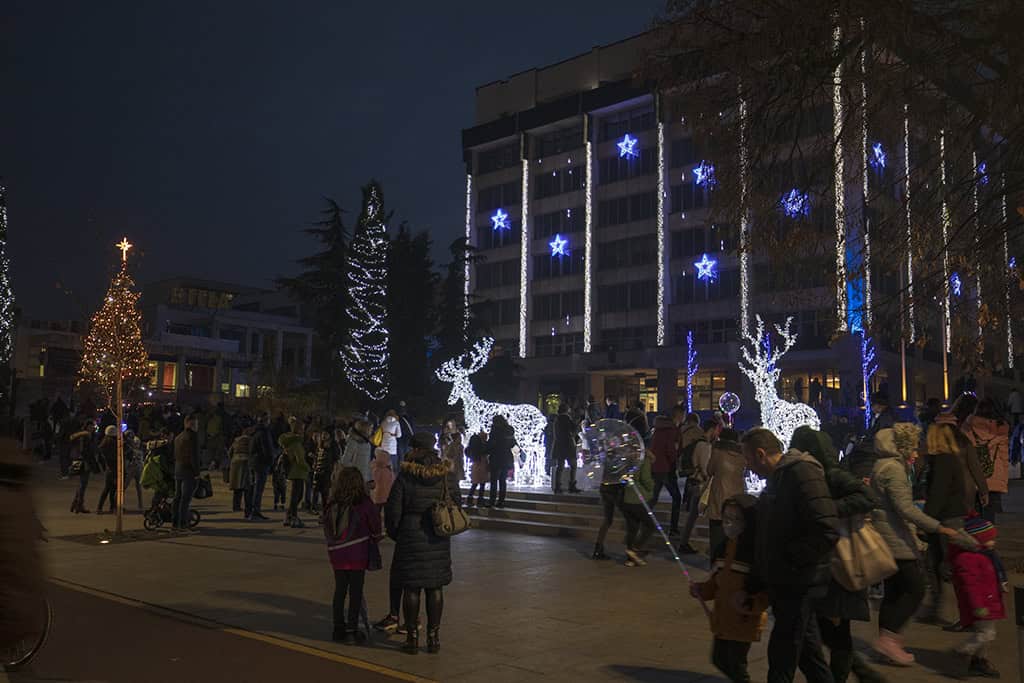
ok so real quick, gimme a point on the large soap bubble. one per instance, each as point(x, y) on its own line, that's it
point(729, 403)
point(611, 451)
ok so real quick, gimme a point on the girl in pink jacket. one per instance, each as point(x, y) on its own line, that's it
point(979, 579)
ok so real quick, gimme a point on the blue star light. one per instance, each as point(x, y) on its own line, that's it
point(706, 268)
point(955, 284)
point(558, 246)
point(500, 220)
point(704, 175)
point(983, 173)
point(878, 158)
point(795, 203)
point(627, 147)
point(1013, 263)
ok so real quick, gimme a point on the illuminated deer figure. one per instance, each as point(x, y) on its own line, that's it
point(526, 421)
point(777, 415)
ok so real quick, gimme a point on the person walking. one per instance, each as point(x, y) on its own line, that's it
point(639, 525)
point(358, 450)
point(990, 435)
point(133, 457)
point(611, 493)
point(895, 520)
point(726, 479)
point(694, 456)
point(563, 449)
point(83, 452)
point(479, 475)
point(352, 529)
point(261, 460)
point(500, 457)
point(979, 579)
point(108, 458)
point(391, 431)
point(665, 445)
point(422, 562)
point(238, 473)
point(186, 471)
point(854, 500)
point(293, 451)
point(796, 531)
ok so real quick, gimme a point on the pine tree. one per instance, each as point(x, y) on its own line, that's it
point(458, 322)
point(6, 294)
point(366, 353)
point(322, 287)
point(412, 284)
point(114, 354)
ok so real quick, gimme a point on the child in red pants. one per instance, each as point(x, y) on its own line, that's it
point(979, 580)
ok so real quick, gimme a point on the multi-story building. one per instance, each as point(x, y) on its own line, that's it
point(583, 196)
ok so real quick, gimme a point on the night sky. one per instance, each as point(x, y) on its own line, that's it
point(209, 131)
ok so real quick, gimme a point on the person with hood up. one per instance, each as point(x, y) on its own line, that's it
point(979, 579)
point(391, 432)
point(358, 450)
point(665, 444)
point(731, 564)
point(796, 531)
point(383, 477)
point(563, 449)
point(727, 471)
point(897, 520)
point(854, 500)
point(84, 460)
point(294, 451)
point(108, 458)
point(990, 436)
point(422, 562)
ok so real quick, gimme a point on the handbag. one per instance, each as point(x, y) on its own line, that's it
point(378, 437)
point(204, 487)
point(449, 519)
point(861, 557)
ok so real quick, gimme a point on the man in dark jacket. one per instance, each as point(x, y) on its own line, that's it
point(665, 444)
point(796, 529)
point(186, 469)
point(563, 449)
point(261, 461)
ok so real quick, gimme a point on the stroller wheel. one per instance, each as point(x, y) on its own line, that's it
point(151, 522)
point(193, 519)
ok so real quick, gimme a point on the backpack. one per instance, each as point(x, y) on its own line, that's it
point(684, 464)
point(985, 457)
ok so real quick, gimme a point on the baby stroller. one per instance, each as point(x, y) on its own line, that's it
point(158, 475)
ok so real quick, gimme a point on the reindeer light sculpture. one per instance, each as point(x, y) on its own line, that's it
point(761, 367)
point(526, 421)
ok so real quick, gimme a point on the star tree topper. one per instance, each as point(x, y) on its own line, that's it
point(124, 245)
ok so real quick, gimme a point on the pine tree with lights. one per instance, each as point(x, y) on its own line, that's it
point(113, 354)
point(366, 355)
point(6, 294)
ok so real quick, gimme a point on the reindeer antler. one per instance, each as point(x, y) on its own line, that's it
point(762, 359)
point(480, 354)
point(454, 368)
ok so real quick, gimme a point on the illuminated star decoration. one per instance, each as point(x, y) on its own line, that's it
point(706, 269)
point(983, 173)
point(1012, 263)
point(795, 203)
point(878, 158)
point(627, 147)
point(955, 284)
point(500, 220)
point(124, 246)
point(704, 175)
point(558, 246)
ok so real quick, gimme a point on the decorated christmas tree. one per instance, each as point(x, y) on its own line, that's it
point(366, 354)
point(6, 295)
point(114, 354)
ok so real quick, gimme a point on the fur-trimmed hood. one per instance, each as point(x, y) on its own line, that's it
point(425, 466)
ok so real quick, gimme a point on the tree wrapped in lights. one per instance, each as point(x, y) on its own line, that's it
point(691, 370)
point(760, 365)
point(365, 356)
point(868, 367)
point(113, 354)
point(6, 294)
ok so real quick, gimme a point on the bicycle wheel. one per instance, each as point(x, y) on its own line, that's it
point(151, 522)
point(21, 653)
point(193, 519)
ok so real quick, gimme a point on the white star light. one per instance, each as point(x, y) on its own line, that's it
point(705, 268)
point(627, 147)
point(500, 220)
point(558, 246)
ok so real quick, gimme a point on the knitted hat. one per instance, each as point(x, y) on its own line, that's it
point(981, 529)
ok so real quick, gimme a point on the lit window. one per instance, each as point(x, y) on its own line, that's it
point(263, 390)
point(242, 390)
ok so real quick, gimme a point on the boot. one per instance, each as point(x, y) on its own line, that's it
point(890, 646)
point(74, 505)
point(599, 553)
point(434, 640)
point(412, 640)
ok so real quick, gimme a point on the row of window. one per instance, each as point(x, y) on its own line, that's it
point(557, 306)
point(688, 289)
point(499, 274)
point(622, 210)
point(498, 158)
point(617, 124)
point(557, 141)
point(564, 221)
point(717, 237)
point(687, 197)
point(558, 182)
point(496, 196)
point(717, 331)
point(489, 238)
point(501, 312)
point(557, 345)
point(545, 266)
point(637, 251)
point(631, 296)
point(627, 338)
point(615, 168)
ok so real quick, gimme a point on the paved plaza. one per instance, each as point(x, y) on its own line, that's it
point(521, 607)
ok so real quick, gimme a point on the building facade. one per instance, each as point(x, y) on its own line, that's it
point(586, 200)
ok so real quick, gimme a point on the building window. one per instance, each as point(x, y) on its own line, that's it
point(683, 153)
point(241, 391)
point(687, 243)
point(500, 312)
point(617, 124)
point(629, 296)
point(557, 306)
point(687, 197)
point(637, 251)
point(708, 387)
point(506, 156)
point(621, 210)
point(489, 238)
point(563, 221)
point(627, 338)
point(557, 345)
point(615, 168)
point(199, 377)
point(558, 141)
point(688, 289)
point(498, 196)
point(499, 274)
point(557, 182)
point(545, 266)
point(717, 331)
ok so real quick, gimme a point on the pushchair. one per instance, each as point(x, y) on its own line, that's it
point(158, 475)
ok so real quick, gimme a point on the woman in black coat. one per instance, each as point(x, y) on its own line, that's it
point(500, 443)
point(563, 449)
point(422, 559)
point(853, 499)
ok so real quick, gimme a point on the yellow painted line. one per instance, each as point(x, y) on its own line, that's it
point(243, 633)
